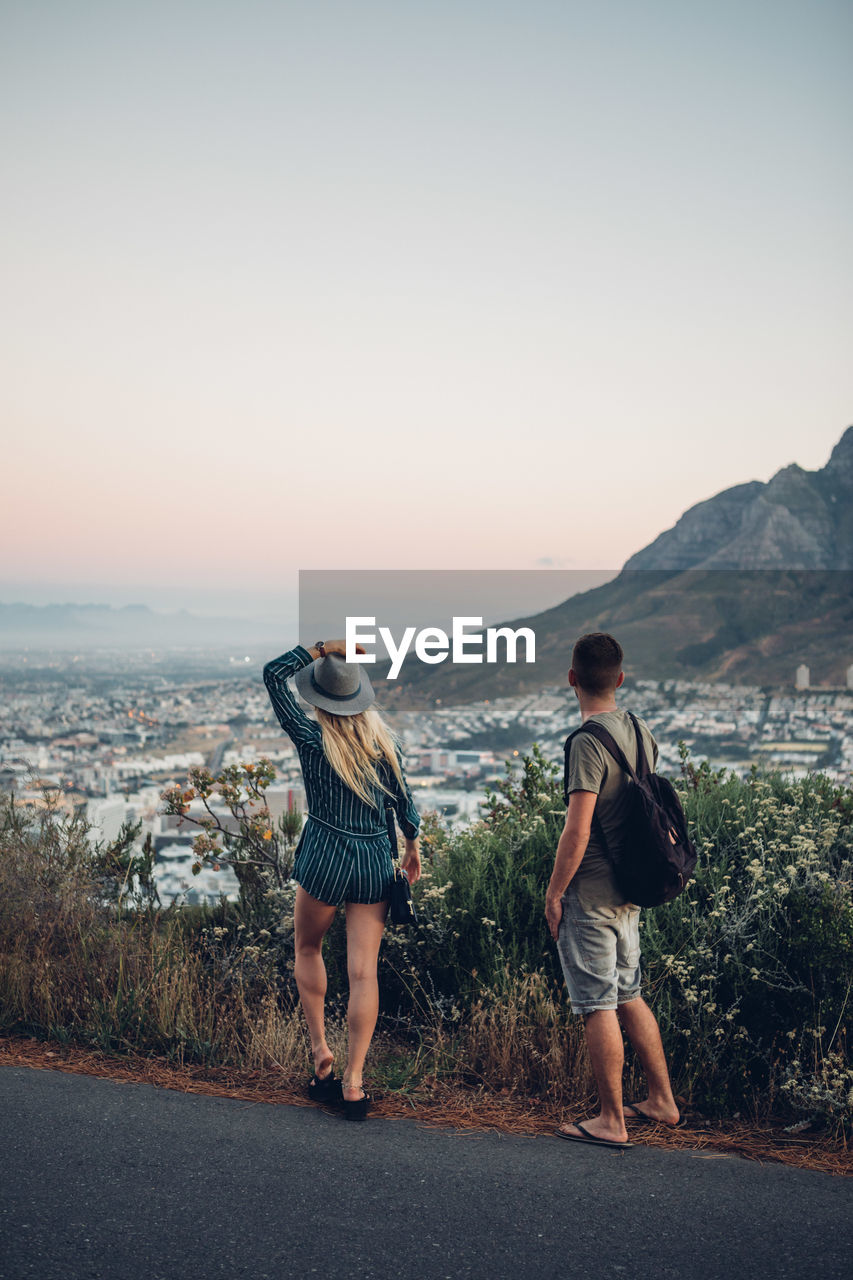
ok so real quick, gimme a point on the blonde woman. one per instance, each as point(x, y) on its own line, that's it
point(351, 764)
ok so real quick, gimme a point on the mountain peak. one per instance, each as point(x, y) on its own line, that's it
point(797, 520)
point(840, 465)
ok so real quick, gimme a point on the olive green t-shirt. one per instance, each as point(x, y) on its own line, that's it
point(592, 768)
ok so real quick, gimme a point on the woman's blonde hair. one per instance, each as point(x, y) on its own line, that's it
point(355, 747)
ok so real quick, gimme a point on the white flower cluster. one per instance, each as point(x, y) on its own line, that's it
point(822, 1089)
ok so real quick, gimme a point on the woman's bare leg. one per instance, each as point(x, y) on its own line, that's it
point(365, 923)
point(311, 922)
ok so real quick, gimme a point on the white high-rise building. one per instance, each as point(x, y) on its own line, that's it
point(850, 676)
point(802, 677)
point(106, 816)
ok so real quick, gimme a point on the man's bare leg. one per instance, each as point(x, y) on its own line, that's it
point(607, 1058)
point(642, 1030)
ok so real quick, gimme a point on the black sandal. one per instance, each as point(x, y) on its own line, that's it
point(356, 1110)
point(326, 1090)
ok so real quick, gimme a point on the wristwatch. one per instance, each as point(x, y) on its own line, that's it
point(321, 645)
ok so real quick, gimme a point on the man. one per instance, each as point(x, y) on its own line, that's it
point(596, 930)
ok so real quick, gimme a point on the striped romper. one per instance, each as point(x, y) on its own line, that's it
point(344, 853)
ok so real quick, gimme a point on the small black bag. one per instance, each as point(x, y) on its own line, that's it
point(401, 909)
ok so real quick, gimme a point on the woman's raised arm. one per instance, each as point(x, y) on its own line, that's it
point(293, 720)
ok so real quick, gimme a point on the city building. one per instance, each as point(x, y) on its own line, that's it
point(106, 816)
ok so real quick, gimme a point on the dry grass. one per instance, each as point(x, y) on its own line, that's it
point(436, 1105)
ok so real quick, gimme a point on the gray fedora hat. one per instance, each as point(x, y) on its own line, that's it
point(337, 686)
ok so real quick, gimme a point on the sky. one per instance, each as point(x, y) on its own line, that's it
point(406, 285)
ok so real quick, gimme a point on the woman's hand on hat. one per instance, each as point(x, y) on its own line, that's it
point(334, 646)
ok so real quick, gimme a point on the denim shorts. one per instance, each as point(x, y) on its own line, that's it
point(599, 949)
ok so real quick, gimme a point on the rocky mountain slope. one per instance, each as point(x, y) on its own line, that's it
point(797, 520)
point(745, 587)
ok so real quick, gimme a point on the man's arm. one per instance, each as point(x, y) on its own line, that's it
point(570, 850)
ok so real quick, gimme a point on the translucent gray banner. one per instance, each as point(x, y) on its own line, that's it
point(465, 635)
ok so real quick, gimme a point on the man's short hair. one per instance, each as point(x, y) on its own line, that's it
point(597, 661)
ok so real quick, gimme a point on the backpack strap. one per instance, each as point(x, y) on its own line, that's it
point(611, 746)
point(606, 740)
point(609, 743)
point(643, 767)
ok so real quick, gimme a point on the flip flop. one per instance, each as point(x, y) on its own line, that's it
point(591, 1138)
point(640, 1117)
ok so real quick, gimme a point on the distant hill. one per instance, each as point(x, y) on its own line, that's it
point(745, 587)
point(133, 626)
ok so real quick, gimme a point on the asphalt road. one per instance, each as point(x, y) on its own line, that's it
point(101, 1179)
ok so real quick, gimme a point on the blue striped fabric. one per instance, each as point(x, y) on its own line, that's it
point(344, 854)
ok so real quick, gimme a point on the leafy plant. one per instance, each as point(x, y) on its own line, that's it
point(259, 851)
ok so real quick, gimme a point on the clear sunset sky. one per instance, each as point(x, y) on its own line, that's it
point(408, 285)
